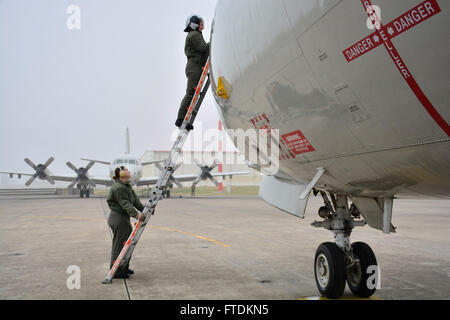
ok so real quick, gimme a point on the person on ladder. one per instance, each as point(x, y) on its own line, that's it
point(197, 53)
point(123, 202)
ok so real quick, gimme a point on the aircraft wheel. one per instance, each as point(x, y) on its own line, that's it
point(87, 193)
point(81, 193)
point(329, 270)
point(357, 275)
point(168, 194)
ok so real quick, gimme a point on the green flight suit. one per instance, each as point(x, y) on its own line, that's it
point(197, 52)
point(122, 200)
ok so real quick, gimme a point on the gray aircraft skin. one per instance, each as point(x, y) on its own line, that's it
point(362, 121)
point(359, 94)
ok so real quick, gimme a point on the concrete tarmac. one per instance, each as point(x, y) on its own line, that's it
point(209, 248)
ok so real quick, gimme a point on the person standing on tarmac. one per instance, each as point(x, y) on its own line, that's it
point(122, 200)
point(197, 53)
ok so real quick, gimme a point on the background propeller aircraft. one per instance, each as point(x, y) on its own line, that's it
point(85, 183)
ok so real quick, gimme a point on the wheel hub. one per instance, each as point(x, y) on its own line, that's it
point(322, 270)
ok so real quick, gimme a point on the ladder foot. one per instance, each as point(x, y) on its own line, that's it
point(106, 281)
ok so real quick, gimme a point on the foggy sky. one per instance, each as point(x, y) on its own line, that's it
point(72, 93)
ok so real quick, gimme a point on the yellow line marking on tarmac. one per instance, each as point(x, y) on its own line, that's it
point(71, 218)
point(192, 235)
point(155, 227)
point(343, 298)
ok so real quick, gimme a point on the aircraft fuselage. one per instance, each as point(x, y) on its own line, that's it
point(369, 104)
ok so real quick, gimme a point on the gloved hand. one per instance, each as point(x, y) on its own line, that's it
point(141, 217)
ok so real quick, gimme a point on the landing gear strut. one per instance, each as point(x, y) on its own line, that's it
point(341, 262)
point(85, 193)
point(166, 193)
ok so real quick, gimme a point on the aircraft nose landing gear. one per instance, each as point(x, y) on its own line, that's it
point(340, 262)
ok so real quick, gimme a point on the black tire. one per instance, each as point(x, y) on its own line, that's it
point(168, 194)
point(88, 193)
point(358, 275)
point(81, 193)
point(329, 270)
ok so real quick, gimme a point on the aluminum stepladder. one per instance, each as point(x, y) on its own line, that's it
point(167, 171)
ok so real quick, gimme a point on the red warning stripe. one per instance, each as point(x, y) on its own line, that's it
point(362, 47)
point(406, 21)
point(411, 18)
point(401, 66)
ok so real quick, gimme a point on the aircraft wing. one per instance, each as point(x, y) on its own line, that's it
point(224, 174)
point(62, 178)
point(54, 177)
point(187, 177)
point(153, 180)
point(104, 181)
point(97, 180)
point(147, 181)
point(17, 173)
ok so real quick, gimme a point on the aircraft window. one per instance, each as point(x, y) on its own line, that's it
point(126, 161)
point(119, 161)
point(132, 161)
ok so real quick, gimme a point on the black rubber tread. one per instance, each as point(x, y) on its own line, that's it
point(367, 258)
point(335, 258)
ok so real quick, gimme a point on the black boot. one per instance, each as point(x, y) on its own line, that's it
point(179, 122)
point(121, 275)
point(130, 272)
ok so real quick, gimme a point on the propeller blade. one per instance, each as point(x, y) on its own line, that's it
point(90, 165)
point(158, 166)
point(179, 185)
point(176, 167)
point(30, 181)
point(196, 181)
point(49, 179)
point(50, 160)
point(214, 180)
point(71, 166)
point(215, 164)
point(30, 163)
point(198, 163)
point(70, 186)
